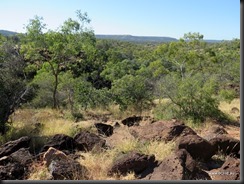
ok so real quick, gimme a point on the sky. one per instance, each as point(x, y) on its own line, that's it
point(215, 19)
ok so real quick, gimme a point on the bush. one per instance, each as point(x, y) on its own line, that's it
point(191, 97)
point(132, 91)
point(87, 96)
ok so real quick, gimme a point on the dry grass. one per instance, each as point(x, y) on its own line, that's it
point(52, 122)
point(39, 172)
point(57, 126)
point(159, 149)
point(98, 163)
point(227, 108)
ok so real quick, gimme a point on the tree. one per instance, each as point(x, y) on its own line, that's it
point(56, 48)
point(13, 87)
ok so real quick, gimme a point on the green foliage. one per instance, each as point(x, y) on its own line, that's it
point(132, 91)
point(43, 84)
point(115, 71)
point(165, 111)
point(69, 68)
point(13, 88)
point(227, 95)
point(87, 96)
point(192, 97)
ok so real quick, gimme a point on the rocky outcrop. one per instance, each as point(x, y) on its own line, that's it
point(178, 166)
point(12, 146)
point(132, 162)
point(86, 141)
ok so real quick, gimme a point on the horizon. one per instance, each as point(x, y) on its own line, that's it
point(135, 35)
point(215, 19)
point(140, 36)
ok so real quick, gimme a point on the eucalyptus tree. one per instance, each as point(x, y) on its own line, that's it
point(58, 49)
point(13, 85)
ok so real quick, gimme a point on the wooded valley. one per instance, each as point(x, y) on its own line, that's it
point(69, 69)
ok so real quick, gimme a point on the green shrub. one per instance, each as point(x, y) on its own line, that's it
point(132, 91)
point(191, 98)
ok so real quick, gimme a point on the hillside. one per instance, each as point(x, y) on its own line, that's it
point(131, 38)
point(128, 38)
point(7, 33)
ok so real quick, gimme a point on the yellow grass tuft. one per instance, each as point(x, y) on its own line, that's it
point(98, 164)
point(158, 148)
point(227, 108)
point(127, 145)
point(39, 172)
point(57, 126)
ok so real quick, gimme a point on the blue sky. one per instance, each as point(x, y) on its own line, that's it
point(215, 19)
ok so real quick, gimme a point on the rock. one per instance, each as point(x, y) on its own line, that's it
point(214, 131)
point(22, 156)
point(230, 170)
point(178, 166)
point(175, 131)
point(60, 142)
point(226, 145)
point(67, 170)
point(161, 131)
point(12, 171)
point(131, 121)
point(234, 110)
point(104, 129)
point(12, 146)
point(53, 154)
point(198, 147)
point(86, 141)
point(134, 162)
point(217, 129)
point(62, 167)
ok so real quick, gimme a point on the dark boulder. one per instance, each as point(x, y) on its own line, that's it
point(67, 170)
point(12, 171)
point(198, 147)
point(135, 162)
point(230, 170)
point(161, 131)
point(104, 129)
point(12, 146)
point(178, 166)
point(131, 121)
point(60, 142)
point(23, 156)
point(226, 145)
point(86, 141)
